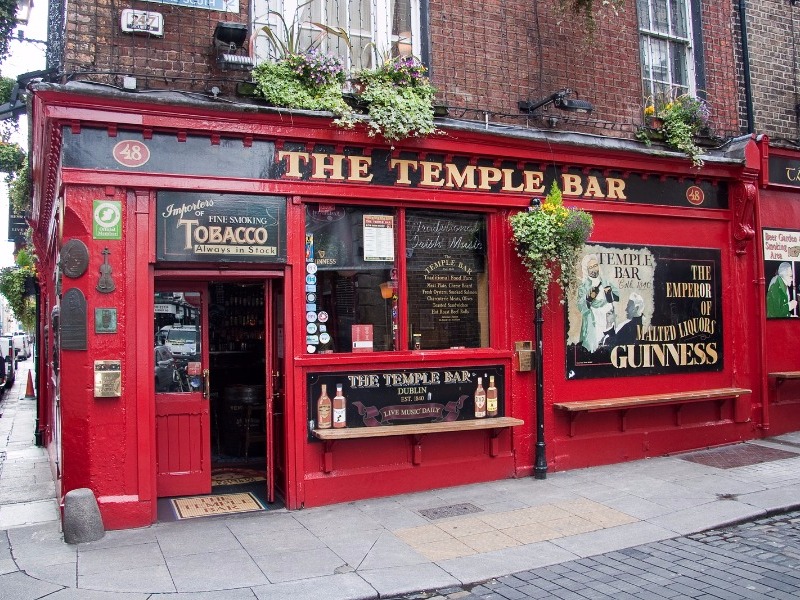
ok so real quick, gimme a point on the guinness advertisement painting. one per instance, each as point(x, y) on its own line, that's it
point(401, 397)
point(781, 263)
point(200, 227)
point(641, 310)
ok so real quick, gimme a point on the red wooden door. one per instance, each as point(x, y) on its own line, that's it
point(183, 440)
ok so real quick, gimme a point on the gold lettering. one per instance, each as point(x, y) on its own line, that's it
point(403, 166)
point(358, 167)
point(507, 187)
point(457, 179)
point(488, 176)
point(616, 188)
point(332, 163)
point(571, 185)
point(593, 188)
point(431, 174)
point(533, 182)
point(293, 163)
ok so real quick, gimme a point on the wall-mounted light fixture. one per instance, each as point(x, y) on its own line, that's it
point(560, 100)
point(229, 39)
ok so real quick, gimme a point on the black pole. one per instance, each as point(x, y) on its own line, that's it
point(540, 465)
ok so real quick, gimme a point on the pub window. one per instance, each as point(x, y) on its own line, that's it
point(352, 292)
point(665, 38)
point(373, 27)
point(350, 284)
point(447, 279)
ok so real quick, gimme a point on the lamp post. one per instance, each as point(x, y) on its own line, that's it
point(540, 462)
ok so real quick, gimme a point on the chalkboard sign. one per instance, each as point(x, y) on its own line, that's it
point(446, 274)
point(388, 398)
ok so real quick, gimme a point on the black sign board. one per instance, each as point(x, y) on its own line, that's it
point(201, 227)
point(73, 320)
point(642, 310)
point(326, 163)
point(387, 398)
point(784, 171)
point(17, 226)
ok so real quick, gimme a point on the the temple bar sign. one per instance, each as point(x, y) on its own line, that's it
point(202, 227)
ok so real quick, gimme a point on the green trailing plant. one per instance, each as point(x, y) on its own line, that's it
point(399, 98)
point(586, 9)
point(678, 122)
point(6, 87)
point(12, 158)
point(19, 192)
point(308, 81)
point(549, 239)
point(16, 287)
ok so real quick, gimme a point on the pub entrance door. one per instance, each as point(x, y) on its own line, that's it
point(217, 377)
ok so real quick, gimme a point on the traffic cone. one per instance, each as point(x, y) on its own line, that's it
point(29, 395)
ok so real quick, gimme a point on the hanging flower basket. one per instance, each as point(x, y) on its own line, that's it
point(549, 240)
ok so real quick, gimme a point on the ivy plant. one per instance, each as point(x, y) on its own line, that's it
point(16, 288)
point(8, 22)
point(586, 9)
point(19, 192)
point(549, 240)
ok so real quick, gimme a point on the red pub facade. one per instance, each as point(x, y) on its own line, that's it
point(350, 317)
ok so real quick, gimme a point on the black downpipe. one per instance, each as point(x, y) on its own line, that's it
point(748, 92)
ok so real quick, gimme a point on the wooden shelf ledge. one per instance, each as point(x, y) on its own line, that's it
point(625, 403)
point(494, 425)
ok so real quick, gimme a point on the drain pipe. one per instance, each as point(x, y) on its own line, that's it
point(748, 92)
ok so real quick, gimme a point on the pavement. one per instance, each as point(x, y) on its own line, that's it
point(439, 539)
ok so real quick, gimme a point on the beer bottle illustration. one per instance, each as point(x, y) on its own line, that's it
point(339, 408)
point(324, 409)
point(491, 398)
point(480, 400)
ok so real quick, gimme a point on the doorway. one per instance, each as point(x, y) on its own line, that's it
point(218, 382)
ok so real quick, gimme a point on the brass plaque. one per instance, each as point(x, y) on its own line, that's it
point(524, 360)
point(74, 258)
point(107, 379)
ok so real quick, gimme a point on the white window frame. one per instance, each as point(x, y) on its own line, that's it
point(649, 36)
point(381, 24)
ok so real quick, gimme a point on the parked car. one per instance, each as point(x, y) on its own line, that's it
point(182, 341)
point(165, 369)
point(7, 350)
point(21, 346)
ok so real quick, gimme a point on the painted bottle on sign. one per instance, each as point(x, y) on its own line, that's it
point(480, 400)
point(491, 398)
point(324, 409)
point(339, 408)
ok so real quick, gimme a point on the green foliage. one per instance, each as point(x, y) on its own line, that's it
point(19, 192)
point(399, 99)
point(15, 286)
point(281, 85)
point(8, 21)
point(549, 241)
point(12, 157)
point(586, 9)
point(678, 121)
point(6, 87)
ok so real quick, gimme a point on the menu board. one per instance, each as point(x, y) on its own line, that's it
point(446, 274)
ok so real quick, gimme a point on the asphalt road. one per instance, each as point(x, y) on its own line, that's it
point(757, 560)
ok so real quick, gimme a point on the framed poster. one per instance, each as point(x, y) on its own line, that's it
point(781, 263)
point(640, 310)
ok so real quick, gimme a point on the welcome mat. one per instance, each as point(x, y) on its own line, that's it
point(221, 504)
point(234, 476)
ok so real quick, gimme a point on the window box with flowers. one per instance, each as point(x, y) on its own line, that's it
point(398, 98)
point(678, 122)
point(549, 240)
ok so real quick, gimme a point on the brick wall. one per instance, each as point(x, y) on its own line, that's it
point(486, 56)
point(773, 31)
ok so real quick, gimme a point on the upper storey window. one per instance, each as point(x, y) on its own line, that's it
point(373, 28)
point(665, 35)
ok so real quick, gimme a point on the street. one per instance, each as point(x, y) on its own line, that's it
point(757, 560)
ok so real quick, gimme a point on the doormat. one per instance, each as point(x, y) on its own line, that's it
point(740, 455)
point(233, 476)
point(222, 504)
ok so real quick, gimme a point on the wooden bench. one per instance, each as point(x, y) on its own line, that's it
point(782, 376)
point(623, 404)
point(494, 424)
